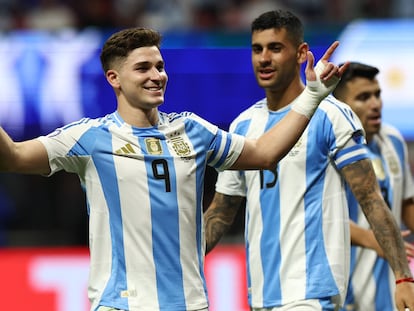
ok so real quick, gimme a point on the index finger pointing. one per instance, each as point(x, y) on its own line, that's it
point(330, 51)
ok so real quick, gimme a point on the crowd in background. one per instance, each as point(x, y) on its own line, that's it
point(184, 15)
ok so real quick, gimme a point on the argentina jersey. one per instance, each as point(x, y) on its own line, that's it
point(144, 189)
point(372, 282)
point(297, 230)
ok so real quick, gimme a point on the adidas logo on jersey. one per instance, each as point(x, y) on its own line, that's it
point(127, 149)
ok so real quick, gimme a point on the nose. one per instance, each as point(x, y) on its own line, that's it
point(375, 101)
point(265, 56)
point(155, 74)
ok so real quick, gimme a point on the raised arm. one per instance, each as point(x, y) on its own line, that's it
point(272, 146)
point(28, 157)
point(362, 180)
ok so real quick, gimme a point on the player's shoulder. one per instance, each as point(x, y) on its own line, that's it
point(86, 123)
point(335, 109)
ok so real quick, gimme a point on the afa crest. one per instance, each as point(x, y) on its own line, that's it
point(181, 148)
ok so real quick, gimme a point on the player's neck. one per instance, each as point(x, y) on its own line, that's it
point(140, 117)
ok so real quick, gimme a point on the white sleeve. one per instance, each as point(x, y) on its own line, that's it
point(59, 145)
point(231, 183)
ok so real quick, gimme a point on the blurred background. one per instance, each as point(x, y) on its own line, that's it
point(51, 75)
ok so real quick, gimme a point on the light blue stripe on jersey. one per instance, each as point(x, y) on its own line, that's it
point(165, 229)
point(270, 251)
point(314, 224)
point(107, 175)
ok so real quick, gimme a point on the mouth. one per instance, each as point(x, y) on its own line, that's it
point(265, 73)
point(154, 89)
point(374, 119)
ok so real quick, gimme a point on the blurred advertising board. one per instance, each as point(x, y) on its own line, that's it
point(55, 279)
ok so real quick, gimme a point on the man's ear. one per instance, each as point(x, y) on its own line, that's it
point(302, 51)
point(113, 78)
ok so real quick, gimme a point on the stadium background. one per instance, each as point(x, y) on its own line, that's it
point(52, 76)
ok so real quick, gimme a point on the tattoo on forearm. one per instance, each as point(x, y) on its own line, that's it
point(219, 217)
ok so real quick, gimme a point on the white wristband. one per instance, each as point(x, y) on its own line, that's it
point(306, 103)
point(314, 92)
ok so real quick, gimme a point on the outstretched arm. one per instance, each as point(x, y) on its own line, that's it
point(29, 157)
point(363, 182)
point(272, 146)
point(219, 217)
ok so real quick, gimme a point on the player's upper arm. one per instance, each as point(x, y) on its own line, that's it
point(30, 157)
point(361, 178)
point(255, 157)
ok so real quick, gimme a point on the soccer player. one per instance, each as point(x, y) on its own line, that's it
point(297, 225)
point(372, 284)
point(143, 172)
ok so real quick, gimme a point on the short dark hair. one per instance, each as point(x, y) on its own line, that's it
point(121, 43)
point(354, 70)
point(280, 19)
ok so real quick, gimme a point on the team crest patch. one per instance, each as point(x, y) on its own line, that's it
point(181, 148)
point(153, 146)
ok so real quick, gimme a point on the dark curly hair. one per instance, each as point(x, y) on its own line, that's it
point(280, 19)
point(121, 43)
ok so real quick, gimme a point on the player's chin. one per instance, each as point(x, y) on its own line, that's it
point(159, 102)
point(265, 83)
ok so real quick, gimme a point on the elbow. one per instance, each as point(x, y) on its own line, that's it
point(269, 164)
point(270, 161)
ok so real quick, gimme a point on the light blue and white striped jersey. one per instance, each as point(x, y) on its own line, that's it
point(144, 189)
point(372, 282)
point(297, 223)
